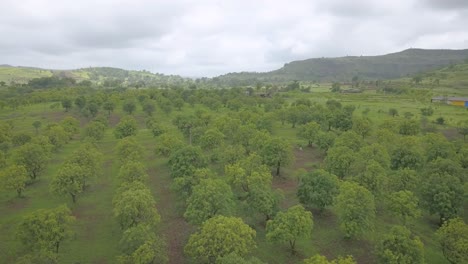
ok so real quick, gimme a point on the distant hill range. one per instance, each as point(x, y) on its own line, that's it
point(106, 76)
point(394, 65)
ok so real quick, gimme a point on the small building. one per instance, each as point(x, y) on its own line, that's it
point(458, 101)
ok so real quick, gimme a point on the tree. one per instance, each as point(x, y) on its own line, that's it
point(318, 188)
point(209, 198)
point(39, 257)
point(126, 127)
point(398, 247)
point(134, 204)
point(288, 226)
point(57, 136)
point(404, 179)
point(95, 130)
point(336, 87)
point(276, 153)
point(109, 107)
point(184, 185)
point(462, 128)
point(362, 126)
point(80, 101)
point(67, 104)
point(339, 160)
point(453, 238)
point(248, 172)
point(393, 112)
point(325, 140)
point(71, 125)
point(45, 229)
point(167, 143)
point(149, 108)
point(373, 177)
point(129, 149)
point(404, 205)
point(69, 180)
point(211, 139)
point(91, 109)
point(186, 160)
point(355, 208)
point(437, 146)
point(233, 258)
point(89, 158)
point(319, 259)
point(417, 79)
point(440, 193)
point(349, 139)
point(15, 178)
point(132, 171)
point(406, 154)
point(33, 157)
point(37, 124)
point(178, 103)
point(409, 127)
point(129, 107)
point(262, 199)
point(205, 247)
point(309, 132)
point(141, 245)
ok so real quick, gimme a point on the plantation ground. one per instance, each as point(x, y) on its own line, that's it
point(97, 233)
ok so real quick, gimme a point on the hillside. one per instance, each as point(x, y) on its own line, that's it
point(394, 65)
point(97, 75)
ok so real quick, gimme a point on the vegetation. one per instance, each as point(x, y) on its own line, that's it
point(159, 169)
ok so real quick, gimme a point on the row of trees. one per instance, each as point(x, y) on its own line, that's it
point(135, 209)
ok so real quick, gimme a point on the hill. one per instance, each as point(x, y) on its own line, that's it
point(97, 75)
point(394, 65)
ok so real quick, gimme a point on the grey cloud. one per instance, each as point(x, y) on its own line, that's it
point(447, 4)
point(210, 37)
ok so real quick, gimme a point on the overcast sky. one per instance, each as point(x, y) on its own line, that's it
point(208, 38)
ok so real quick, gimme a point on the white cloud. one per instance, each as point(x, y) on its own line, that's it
point(208, 37)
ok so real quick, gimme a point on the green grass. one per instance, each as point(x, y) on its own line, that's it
point(21, 75)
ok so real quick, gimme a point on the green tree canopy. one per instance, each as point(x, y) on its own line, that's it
point(262, 199)
point(404, 205)
point(14, 177)
point(209, 198)
point(129, 107)
point(288, 226)
point(126, 127)
point(318, 188)
point(129, 149)
point(248, 172)
point(185, 160)
point(309, 132)
point(205, 247)
point(134, 204)
point(277, 152)
point(141, 245)
point(399, 247)
point(355, 208)
point(319, 259)
point(69, 180)
point(440, 193)
point(339, 160)
point(33, 157)
point(133, 171)
point(453, 239)
point(45, 229)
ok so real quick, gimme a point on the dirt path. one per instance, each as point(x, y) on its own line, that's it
point(173, 226)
